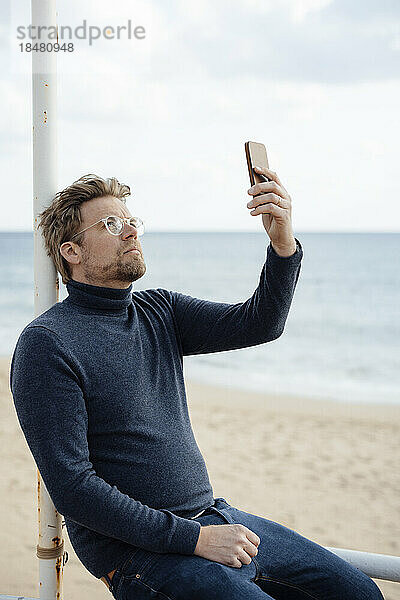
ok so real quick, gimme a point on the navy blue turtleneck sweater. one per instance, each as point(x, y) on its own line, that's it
point(98, 387)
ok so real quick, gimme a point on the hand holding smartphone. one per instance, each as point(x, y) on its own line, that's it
point(276, 213)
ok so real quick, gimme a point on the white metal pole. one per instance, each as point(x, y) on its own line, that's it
point(50, 547)
point(377, 566)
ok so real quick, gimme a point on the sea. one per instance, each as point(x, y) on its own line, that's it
point(342, 337)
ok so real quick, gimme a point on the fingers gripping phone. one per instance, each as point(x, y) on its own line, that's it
point(256, 155)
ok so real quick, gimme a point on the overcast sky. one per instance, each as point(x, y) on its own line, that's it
point(317, 81)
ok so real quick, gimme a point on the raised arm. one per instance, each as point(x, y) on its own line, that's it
point(49, 401)
point(204, 326)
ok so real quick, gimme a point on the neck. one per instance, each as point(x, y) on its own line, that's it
point(110, 284)
point(96, 297)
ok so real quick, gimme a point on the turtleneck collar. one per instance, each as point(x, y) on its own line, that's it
point(110, 300)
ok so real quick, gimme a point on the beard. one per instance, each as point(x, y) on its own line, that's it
point(126, 268)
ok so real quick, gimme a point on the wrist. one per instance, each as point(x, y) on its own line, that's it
point(286, 250)
point(199, 539)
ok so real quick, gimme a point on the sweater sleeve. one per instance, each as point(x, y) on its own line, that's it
point(204, 326)
point(45, 381)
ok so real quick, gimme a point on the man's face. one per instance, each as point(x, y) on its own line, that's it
point(103, 258)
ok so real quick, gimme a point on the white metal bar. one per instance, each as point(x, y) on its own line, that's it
point(2, 597)
point(50, 547)
point(377, 566)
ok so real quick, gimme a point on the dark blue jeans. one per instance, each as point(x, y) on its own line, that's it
point(288, 566)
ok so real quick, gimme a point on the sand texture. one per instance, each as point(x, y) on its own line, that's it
point(327, 470)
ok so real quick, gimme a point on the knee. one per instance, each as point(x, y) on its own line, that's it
point(370, 590)
point(364, 589)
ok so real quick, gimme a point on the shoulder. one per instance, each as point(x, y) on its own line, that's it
point(49, 317)
point(157, 297)
point(37, 338)
point(46, 328)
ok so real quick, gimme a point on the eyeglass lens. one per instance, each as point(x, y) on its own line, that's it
point(115, 225)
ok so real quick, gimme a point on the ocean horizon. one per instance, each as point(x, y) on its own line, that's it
point(341, 340)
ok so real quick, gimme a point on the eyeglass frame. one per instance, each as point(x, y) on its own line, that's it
point(123, 219)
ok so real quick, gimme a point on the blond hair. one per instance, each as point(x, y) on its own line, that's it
point(62, 218)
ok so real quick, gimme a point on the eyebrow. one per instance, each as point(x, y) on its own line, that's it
point(114, 215)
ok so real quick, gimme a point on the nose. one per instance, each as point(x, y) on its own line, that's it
point(129, 230)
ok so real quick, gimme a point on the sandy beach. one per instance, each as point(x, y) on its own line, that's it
point(329, 471)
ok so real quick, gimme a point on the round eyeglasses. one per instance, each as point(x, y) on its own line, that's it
point(115, 225)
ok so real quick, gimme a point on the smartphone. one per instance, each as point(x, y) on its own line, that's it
point(256, 155)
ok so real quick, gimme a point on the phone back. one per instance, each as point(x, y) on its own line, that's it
point(256, 155)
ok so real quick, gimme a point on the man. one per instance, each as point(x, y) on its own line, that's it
point(98, 386)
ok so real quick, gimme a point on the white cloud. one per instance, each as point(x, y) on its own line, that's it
point(301, 8)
